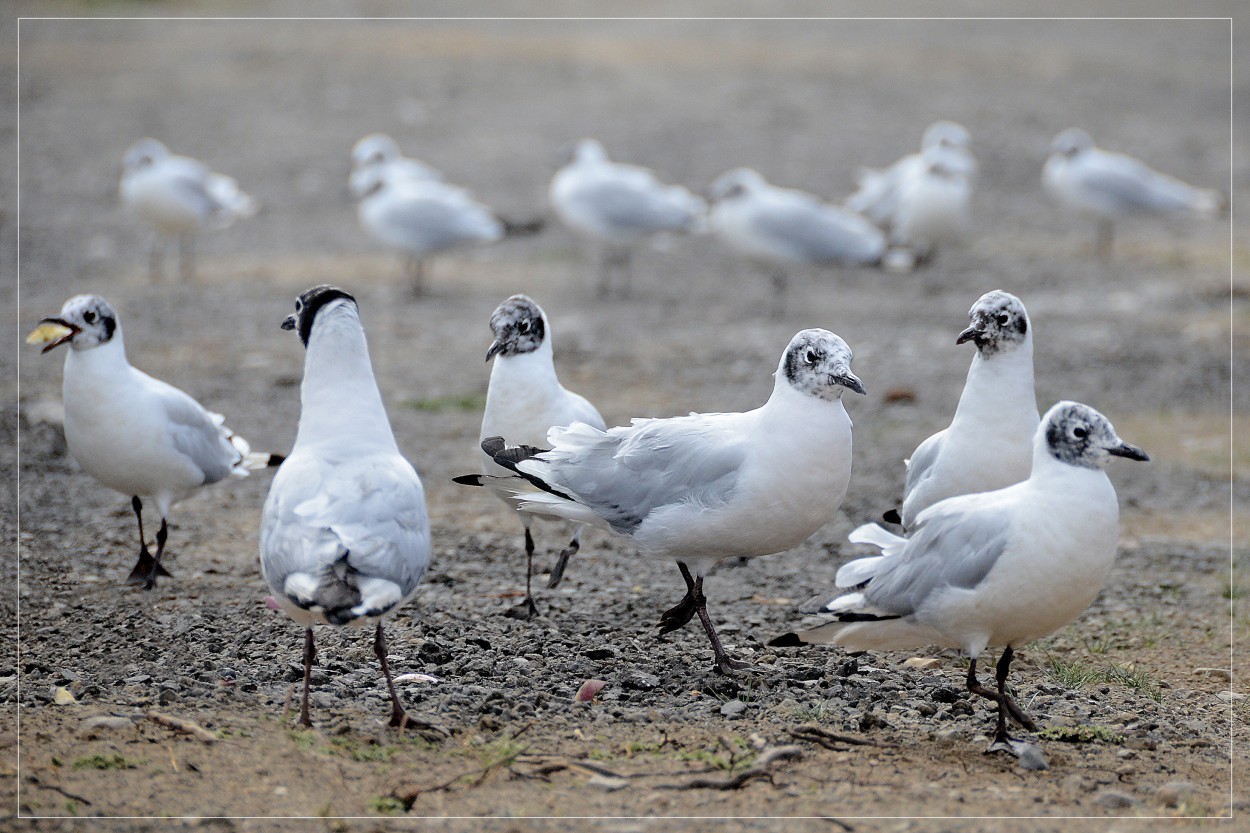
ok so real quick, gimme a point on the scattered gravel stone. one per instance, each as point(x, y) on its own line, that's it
point(1113, 800)
point(733, 708)
point(1173, 793)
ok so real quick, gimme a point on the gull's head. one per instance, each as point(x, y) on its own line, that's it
point(1070, 142)
point(997, 323)
point(734, 184)
point(946, 134)
point(143, 153)
point(818, 363)
point(374, 149)
point(589, 150)
point(519, 326)
point(85, 322)
point(1080, 436)
point(311, 302)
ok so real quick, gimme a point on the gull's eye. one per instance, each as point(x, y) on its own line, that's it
point(523, 327)
point(812, 356)
point(89, 317)
point(1003, 318)
point(1080, 432)
point(299, 305)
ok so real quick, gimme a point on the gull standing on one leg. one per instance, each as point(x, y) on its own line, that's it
point(133, 433)
point(1107, 186)
point(618, 206)
point(1000, 568)
point(524, 401)
point(344, 537)
point(705, 487)
point(179, 197)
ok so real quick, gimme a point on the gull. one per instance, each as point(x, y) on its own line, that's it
point(878, 194)
point(523, 402)
point(999, 568)
point(705, 487)
point(179, 197)
point(378, 152)
point(421, 217)
point(989, 443)
point(1107, 186)
point(785, 226)
point(934, 209)
point(133, 433)
point(344, 537)
point(618, 206)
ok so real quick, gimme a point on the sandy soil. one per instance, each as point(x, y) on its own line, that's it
point(1145, 338)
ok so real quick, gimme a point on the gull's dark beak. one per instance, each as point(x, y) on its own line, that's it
point(290, 322)
point(968, 334)
point(74, 330)
point(1130, 452)
point(496, 346)
point(850, 381)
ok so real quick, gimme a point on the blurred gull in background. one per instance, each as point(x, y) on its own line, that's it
point(378, 155)
point(1107, 186)
point(179, 197)
point(785, 226)
point(923, 199)
point(618, 206)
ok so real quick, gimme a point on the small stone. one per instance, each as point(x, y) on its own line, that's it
point(434, 653)
point(640, 681)
point(1222, 673)
point(1173, 793)
point(733, 708)
point(96, 723)
point(1113, 800)
point(1231, 696)
point(1031, 757)
point(607, 783)
point(63, 696)
point(922, 663)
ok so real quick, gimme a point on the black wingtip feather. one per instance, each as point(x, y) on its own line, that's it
point(275, 460)
point(786, 640)
point(892, 517)
point(468, 480)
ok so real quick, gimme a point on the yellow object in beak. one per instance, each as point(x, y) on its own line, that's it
point(48, 332)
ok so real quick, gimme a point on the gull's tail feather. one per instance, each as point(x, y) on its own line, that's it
point(509, 456)
point(861, 570)
point(249, 460)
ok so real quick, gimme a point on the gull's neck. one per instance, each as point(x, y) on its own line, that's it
point(339, 398)
point(999, 387)
point(535, 368)
point(106, 361)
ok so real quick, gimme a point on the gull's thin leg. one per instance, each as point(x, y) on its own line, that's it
point(557, 572)
point(778, 280)
point(1017, 714)
point(626, 261)
point(162, 535)
point(526, 609)
point(416, 273)
point(310, 655)
point(143, 567)
point(155, 257)
point(1106, 239)
point(724, 662)
point(604, 288)
point(682, 612)
point(398, 716)
point(186, 256)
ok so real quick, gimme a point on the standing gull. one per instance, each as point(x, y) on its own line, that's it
point(989, 443)
point(524, 401)
point(1107, 186)
point(179, 197)
point(705, 487)
point(783, 227)
point(998, 568)
point(420, 217)
point(618, 206)
point(134, 433)
point(879, 191)
point(344, 537)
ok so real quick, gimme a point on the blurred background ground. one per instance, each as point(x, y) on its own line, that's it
point(1145, 338)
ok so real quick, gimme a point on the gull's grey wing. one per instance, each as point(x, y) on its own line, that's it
point(921, 461)
point(194, 432)
point(370, 510)
point(624, 474)
point(955, 543)
point(1134, 186)
point(820, 233)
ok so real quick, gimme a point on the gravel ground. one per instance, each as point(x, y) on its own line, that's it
point(1145, 338)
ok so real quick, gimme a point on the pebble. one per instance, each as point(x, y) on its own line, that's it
point(1173, 793)
point(733, 708)
point(1031, 757)
point(607, 783)
point(922, 663)
point(1113, 800)
point(1222, 673)
point(95, 723)
point(1231, 696)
